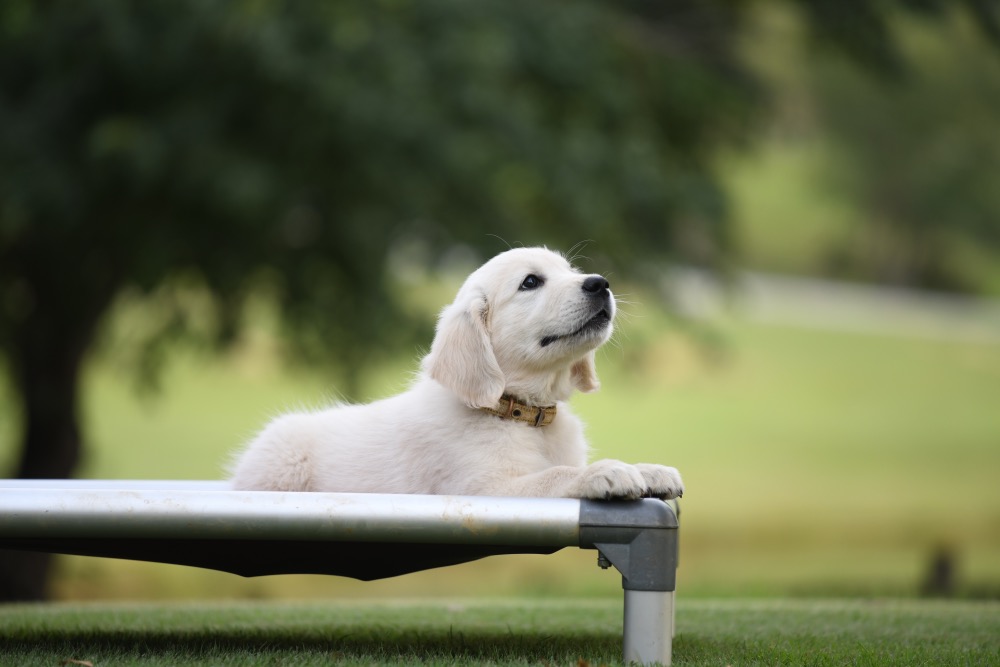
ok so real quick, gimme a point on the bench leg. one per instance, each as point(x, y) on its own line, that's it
point(640, 539)
point(649, 627)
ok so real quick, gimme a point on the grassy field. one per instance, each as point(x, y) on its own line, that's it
point(816, 463)
point(497, 632)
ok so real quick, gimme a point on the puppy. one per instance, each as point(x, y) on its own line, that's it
point(486, 414)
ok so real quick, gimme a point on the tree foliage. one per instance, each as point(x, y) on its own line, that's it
point(302, 144)
point(303, 140)
point(919, 155)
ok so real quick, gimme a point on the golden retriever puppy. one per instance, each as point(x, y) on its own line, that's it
point(487, 413)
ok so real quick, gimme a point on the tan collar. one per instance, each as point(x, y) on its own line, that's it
point(510, 408)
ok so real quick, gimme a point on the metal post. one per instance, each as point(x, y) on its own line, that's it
point(640, 539)
point(648, 627)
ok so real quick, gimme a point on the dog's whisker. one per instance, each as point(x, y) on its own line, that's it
point(502, 240)
point(624, 305)
point(574, 254)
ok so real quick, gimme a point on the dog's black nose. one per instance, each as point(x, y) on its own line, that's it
point(595, 284)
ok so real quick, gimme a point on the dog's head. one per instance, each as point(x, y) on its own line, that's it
point(526, 323)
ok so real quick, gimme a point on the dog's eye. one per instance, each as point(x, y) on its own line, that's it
point(531, 282)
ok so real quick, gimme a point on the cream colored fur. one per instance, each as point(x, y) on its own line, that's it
point(500, 335)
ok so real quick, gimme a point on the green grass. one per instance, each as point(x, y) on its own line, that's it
point(818, 461)
point(499, 632)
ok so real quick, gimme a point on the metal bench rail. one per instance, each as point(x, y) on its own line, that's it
point(364, 536)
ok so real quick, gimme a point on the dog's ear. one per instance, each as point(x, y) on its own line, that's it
point(461, 357)
point(584, 374)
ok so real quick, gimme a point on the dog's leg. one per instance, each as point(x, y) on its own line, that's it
point(600, 480)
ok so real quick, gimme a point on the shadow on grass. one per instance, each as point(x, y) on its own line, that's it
point(244, 647)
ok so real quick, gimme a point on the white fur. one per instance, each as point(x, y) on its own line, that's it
point(432, 438)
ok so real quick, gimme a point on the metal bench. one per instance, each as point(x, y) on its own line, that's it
point(364, 536)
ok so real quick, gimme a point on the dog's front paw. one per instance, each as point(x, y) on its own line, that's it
point(661, 481)
point(606, 479)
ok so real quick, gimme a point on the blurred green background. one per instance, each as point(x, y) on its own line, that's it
point(213, 212)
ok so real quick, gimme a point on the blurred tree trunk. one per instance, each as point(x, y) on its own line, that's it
point(46, 376)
